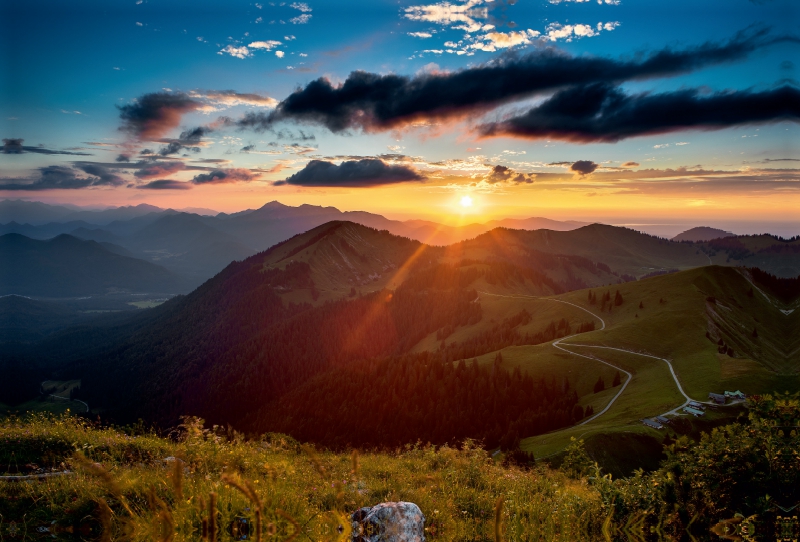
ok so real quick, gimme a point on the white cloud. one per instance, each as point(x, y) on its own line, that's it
point(279, 54)
point(557, 31)
point(289, 38)
point(268, 45)
point(420, 34)
point(302, 6)
point(301, 19)
point(681, 143)
point(464, 15)
point(139, 24)
point(503, 40)
point(222, 99)
point(238, 52)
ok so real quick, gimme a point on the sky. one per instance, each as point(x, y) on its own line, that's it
point(623, 111)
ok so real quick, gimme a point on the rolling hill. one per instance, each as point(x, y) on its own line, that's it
point(66, 266)
point(701, 234)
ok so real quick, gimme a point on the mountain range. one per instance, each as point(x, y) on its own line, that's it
point(344, 319)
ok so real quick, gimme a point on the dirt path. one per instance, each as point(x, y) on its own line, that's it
point(558, 345)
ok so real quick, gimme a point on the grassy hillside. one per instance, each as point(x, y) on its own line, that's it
point(200, 483)
point(661, 317)
point(134, 484)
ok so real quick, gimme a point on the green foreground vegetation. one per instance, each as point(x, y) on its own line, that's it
point(67, 477)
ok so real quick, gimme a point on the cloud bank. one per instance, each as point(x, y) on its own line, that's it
point(373, 102)
point(603, 113)
point(353, 174)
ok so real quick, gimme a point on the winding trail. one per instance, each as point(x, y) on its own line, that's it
point(41, 387)
point(561, 347)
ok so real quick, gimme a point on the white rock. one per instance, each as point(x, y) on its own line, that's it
point(389, 522)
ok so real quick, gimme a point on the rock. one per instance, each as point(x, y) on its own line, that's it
point(389, 522)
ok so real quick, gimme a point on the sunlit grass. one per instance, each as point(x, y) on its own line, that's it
point(150, 488)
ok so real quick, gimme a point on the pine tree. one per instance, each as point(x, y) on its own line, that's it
point(641, 304)
point(600, 385)
point(617, 380)
point(618, 299)
point(755, 333)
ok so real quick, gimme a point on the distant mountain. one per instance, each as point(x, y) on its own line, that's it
point(37, 213)
point(199, 244)
point(32, 212)
point(274, 222)
point(187, 244)
point(66, 266)
point(702, 233)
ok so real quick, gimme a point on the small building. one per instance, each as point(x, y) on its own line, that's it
point(717, 398)
point(693, 411)
point(662, 420)
point(698, 406)
point(652, 423)
point(736, 395)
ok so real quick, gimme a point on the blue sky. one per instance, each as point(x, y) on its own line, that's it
point(68, 67)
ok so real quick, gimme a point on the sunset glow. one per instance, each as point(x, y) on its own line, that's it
point(233, 114)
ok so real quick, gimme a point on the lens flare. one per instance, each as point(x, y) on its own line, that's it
point(466, 201)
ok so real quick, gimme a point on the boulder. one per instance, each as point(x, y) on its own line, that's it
point(389, 522)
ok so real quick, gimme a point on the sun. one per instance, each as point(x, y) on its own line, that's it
point(466, 201)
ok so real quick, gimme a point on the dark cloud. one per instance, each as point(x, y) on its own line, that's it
point(500, 174)
point(782, 159)
point(15, 146)
point(361, 173)
point(631, 164)
point(12, 146)
point(222, 176)
point(373, 102)
point(190, 139)
point(159, 169)
point(154, 114)
point(123, 158)
point(247, 148)
point(166, 184)
point(62, 177)
point(583, 167)
point(603, 113)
